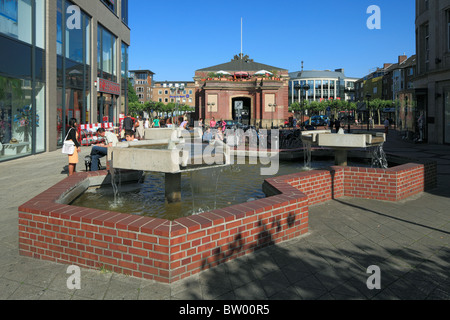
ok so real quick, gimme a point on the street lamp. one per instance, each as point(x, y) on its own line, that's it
point(272, 110)
point(301, 87)
point(368, 96)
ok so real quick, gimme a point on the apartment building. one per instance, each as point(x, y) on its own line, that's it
point(432, 83)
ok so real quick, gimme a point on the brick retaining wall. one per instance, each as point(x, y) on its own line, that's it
point(168, 251)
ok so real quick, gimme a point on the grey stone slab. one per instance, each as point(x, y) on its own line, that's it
point(274, 283)
point(151, 290)
point(308, 293)
point(123, 288)
point(27, 292)
point(251, 291)
point(7, 288)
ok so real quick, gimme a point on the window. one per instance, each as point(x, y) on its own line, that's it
point(15, 19)
point(124, 11)
point(110, 4)
point(448, 30)
point(106, 54)
point(427, 46)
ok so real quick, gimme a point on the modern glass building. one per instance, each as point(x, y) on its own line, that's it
point(314, 85)
point(60, 59)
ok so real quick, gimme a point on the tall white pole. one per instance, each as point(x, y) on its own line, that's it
point(241, 38)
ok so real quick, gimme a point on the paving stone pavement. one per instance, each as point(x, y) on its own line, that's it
point(409, 241)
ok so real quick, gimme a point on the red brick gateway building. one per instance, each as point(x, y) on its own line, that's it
point(255, 93)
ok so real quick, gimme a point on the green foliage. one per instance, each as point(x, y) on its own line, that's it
point(132, 96)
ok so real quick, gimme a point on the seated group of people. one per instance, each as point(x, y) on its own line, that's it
point(100, 150)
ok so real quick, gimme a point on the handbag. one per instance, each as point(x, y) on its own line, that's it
point(68, 145)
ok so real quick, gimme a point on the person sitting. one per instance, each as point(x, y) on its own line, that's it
point(183, 123)
point(100, 150)
point(129, 136)
point(207, 136)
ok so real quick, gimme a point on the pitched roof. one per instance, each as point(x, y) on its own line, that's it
point(241, 63)
point(308, 74)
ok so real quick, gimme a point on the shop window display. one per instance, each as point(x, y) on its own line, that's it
point(15, 117)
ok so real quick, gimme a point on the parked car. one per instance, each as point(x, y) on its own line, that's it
point(320, 120)
point(234, 124)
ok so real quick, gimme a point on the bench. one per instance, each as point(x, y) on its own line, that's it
point(11, 149)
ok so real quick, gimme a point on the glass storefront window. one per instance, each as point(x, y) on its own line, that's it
point(73, 70)
point(124, 79)
point(15, 19)
point(40, 24)
point(16, 117)
point(74, 41)
point(447, 117)
point(59, 28)
point(40, 116)
point(106, 46)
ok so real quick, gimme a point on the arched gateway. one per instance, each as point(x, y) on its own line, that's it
point(243, 89)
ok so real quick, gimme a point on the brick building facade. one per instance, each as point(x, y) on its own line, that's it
point(254, 93)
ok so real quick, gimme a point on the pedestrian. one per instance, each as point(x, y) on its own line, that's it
point(331, 124)
point(100, 150)
point(146, 124)
point(140, 128)
point(169, 123)
point(386, 126)
point(156, 122)
point(223, 125)
point(128, 123)
point(337, 125)
point(72, 134)
point(212, 123)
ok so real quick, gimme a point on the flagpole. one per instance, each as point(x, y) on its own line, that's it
point(241, 38)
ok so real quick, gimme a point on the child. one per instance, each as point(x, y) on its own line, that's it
point(129, 135)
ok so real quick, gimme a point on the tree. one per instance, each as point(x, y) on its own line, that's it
point(135, 108)
point(132, 96)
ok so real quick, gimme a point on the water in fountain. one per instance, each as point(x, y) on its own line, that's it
point(378, 157)
point(307, 154)
point(115, 185)
point(201, 191)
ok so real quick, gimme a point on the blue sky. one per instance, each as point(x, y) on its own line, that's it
point(175, 38)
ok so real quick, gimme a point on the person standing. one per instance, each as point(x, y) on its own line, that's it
point(72, 134)
point(337, 125)
point(156, 122)
point(140, 128)
point(386, 126)
point(128, 123)
point(212, 123)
